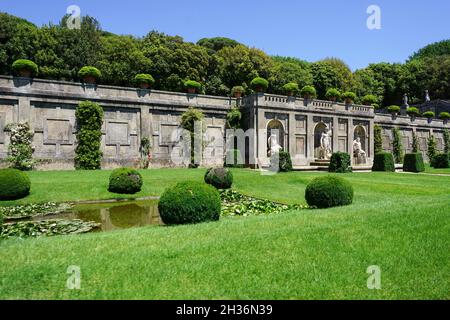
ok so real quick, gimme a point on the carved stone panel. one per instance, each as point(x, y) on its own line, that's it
point(168, 134)
point(300, 145)
point(117, 133)
point(58, 131)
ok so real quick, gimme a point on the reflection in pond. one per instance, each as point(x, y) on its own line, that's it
point(112, 216)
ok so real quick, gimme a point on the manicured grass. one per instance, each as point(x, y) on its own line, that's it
point(399, 222)
point(429, 169)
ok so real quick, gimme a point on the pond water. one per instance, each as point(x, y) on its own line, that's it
point(113, 215)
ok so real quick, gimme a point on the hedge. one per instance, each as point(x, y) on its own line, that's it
point(220, 178)
point(413, 162)
point(383, 161)
point(328, 191)
point(189, 202)
point(14, 184)
point(340, 162)
point(125, 181)
point(441, 160)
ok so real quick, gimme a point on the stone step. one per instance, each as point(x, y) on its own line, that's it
point(319, 164)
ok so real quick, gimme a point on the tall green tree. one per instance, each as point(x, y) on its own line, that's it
point(397, 146)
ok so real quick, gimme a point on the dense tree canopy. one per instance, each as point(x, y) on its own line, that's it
point(219, 63)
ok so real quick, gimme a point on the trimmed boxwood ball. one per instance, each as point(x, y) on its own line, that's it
point(340, 162)
point(328, 191)
point(259, 84)
point(383, 161)
point(413, 162)
point(125, 180)
point(440, 160)
point(144, 78)
point(221, 178)
point(14, 184)
point(24, 64)
point(89, 71)
point(189, 202)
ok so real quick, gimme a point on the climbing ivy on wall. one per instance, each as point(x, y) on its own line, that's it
point(89, 117)
point(378, 140)
point(397, 146)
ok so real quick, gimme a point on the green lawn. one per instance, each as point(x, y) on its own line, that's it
point(429, 169)
point(400, 222)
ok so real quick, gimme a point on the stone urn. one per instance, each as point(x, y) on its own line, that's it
point(238, 94)
point(333, 99)
point(89, 79)
point(348, 101)
point(25, 73)
point(259, 89)
point(144, 85)
point(191, 90)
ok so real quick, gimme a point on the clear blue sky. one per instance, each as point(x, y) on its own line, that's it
point(310, 30)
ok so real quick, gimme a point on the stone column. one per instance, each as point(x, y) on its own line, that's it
point(24, 110)
point(335, 134)
point(310, 137)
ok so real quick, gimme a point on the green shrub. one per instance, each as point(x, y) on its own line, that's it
point(308, 92)
point(349, 96)
point(333, 94)
point(221, 178)
point(393, 109)
point(235, 156)
point(125, 180)
point(291, 88)
point(413, 162)
point(383, 161)
point(89, 117)
point(14, 184)
point(428, 114)
point(397, 146)
point(20, 149)
point(189, 202)
point(259, 84)
point(282, 161)
point(369, 99)
point(192, 84)
point(431, 150)
point(412, 111)
point(340, 162)
point(444, 115)
point(328, 191)
point(89, 71)
point(24, 64)
point(144, 78)
point(377, 139)
point(237, 89)
point(441, 160)
point(234, 117)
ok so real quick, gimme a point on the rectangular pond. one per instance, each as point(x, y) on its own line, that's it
point(113, 215)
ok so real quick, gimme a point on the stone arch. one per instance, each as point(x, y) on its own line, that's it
point(320, 128)
point(276, 127)
point(360, 132)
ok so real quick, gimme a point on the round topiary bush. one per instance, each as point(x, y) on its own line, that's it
point(328, 191)
point(189, 202)
point(259, 84)
point(308, 92)
point(444, 115)
point(144, 80)
point(25, 68)
point(369, 99)
point(193, 86)
point(221, 178)
point(125, 180)
point(237, 91)
point(428, 114)
point(291, 88)
point(332, 94)
point(412, 111)
point(393, 109)
point(348, 96)
point(89, 74)
point(14, 184)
